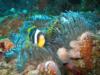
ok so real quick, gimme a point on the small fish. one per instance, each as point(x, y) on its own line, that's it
point(37, 37)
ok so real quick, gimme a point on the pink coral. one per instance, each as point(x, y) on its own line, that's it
point(63, 54)
point(48, 68)
point(75, 51)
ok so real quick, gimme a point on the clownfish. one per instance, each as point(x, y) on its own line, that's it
point(37, 37)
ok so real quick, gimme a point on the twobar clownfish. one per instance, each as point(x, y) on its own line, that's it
point(37, 37)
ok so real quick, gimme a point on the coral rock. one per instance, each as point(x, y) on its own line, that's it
point(63, 54)
point(86, 49)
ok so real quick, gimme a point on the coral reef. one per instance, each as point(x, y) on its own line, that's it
point(58, 31)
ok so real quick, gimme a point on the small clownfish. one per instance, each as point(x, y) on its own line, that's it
point(37, 37)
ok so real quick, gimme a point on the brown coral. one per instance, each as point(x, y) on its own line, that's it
point(86, 49)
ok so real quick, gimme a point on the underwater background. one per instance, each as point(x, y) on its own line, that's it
point(49, 37)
